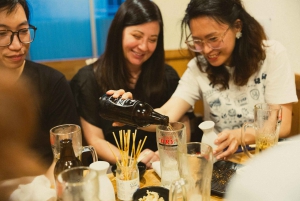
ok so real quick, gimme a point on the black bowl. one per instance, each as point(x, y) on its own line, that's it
point(162, 192)
point(142, 169)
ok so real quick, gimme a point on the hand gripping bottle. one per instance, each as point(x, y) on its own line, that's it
point(131, 112)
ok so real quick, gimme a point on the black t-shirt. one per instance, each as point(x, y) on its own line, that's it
point(55, 104)
point(87, 94)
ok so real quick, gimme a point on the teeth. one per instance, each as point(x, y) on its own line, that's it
point(212, 56)
point(139, 54)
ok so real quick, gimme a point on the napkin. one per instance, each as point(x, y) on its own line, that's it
point(38, 190)
point(156, 167)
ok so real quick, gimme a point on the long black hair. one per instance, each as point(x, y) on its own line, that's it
point(111, 70)
point(249, 50)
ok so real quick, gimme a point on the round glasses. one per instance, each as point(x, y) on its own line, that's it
point(25, 36)
point(214, 42)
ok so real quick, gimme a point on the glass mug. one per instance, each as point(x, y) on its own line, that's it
point(169, 140)
point(77, 184)
point(195, 169)
point(267, 120)
point(73, 132)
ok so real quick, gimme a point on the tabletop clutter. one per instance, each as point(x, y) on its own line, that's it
point(185, 168)
point(74, 181)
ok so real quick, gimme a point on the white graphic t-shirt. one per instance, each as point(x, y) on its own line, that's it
point(230, 108)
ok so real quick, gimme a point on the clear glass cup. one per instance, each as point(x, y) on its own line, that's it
point(169, 140)
point(77, 184)
point(195, 169)
point(127, 179)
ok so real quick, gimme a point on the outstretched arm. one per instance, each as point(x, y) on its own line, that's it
point(231, 139)
point(95, 137)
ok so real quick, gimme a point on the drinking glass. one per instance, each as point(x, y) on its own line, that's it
point(77, 184)
point(169, 140)
point(267, 120)
point(127, 179)
point(73, 132)
point(195, 169)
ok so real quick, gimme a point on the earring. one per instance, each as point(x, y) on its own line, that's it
point(238, 35)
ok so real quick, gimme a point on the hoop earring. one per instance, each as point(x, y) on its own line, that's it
point(238, 35)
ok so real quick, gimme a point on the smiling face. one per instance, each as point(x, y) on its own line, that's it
point(13, 56)
point(139, 43)
point(205, 28)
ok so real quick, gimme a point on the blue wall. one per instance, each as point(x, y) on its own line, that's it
point(64, 29)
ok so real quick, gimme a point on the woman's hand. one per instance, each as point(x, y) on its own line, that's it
point(228, 143)
point(116, 94)
point(120, 92)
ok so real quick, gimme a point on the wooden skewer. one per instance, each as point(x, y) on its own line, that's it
point(116, 140)
point(127, 162)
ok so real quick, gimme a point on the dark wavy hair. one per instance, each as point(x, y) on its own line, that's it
point(111, 70)
point(249, 50)
point(10, 6)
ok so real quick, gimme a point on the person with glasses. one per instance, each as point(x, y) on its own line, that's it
point(133, 60)
point(53, 96)
point(234, 68)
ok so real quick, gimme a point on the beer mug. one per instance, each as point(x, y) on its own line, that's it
point(267, 120)
point(169, 140)
point(73, 132)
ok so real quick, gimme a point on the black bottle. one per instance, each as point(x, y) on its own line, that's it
point(131, 112)
point(67, 157)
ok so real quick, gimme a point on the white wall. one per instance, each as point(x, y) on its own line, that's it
point(281, 20)
point(173, 12)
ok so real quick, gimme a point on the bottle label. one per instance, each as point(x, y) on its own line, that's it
point(126, 188)
point(122, 102)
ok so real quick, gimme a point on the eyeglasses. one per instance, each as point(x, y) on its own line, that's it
point(25, 36)
point(214, 42)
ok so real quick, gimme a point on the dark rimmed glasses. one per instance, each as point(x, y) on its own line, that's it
point(25, 36)
point(214, 42)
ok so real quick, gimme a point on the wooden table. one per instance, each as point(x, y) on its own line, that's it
point(150, 177)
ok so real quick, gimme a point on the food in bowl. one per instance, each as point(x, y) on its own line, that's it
point(151, 196)
point(142, 193)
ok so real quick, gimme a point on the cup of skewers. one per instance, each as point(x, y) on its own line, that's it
point(141, 166)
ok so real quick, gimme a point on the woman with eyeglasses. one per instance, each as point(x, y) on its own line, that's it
point(234, 68)
point(134, 61)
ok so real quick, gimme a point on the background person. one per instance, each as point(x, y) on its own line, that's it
point(18, 118)
point(133, 60)
point(235, 67)
point(273, 175)
point(54, 101)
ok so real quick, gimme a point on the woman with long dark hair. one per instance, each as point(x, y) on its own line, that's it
point(234, 68)
point(134, 61)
